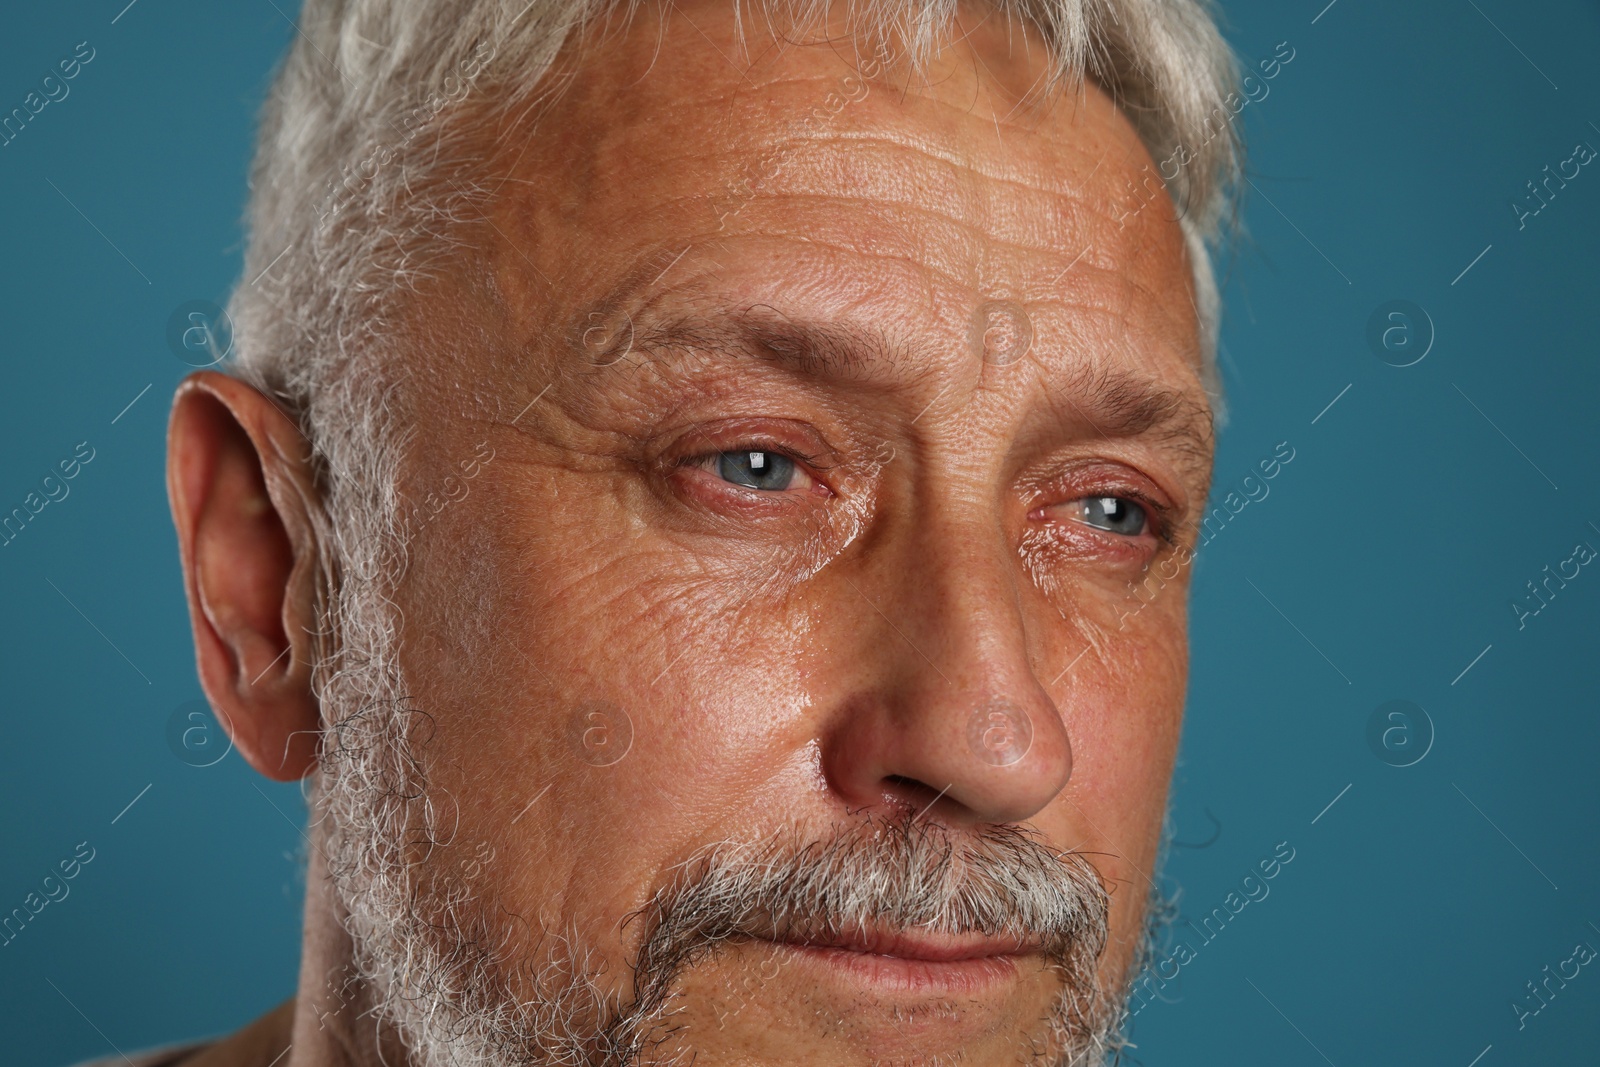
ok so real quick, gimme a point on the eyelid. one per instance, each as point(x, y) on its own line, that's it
point(755, 434)
point(1090, 478)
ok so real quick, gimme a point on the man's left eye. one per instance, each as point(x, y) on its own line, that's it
point(1113, 514)
point(758, 469)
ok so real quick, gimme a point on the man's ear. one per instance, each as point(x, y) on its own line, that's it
point(243, 498)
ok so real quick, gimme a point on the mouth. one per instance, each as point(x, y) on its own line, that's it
point(909, 961)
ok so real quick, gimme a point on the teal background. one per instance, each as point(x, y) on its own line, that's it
point(1381, 566)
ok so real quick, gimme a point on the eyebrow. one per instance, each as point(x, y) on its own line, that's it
point(1120, 403)
point(1114, 402)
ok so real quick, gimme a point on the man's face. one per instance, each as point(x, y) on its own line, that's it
point(793, 468)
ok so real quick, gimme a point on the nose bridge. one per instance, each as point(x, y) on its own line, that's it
point(962, 603)
point(953, 708)
point(960, 593)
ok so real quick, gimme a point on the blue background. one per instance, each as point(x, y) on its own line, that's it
point(1381, 566)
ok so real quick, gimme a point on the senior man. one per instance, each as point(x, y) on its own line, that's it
point(685, 496)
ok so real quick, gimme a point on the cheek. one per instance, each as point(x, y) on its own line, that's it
point(1141, 678)
point(575, 651)
point(1123, 705)
point(1124, 635)
point(1123, 709)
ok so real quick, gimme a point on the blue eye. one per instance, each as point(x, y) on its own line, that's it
point(756, 469)
point(1114, 515)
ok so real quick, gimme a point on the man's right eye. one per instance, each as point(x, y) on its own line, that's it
point(1114, 514)
point(757, 468)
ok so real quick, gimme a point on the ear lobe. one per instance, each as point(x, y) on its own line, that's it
point(243, 498)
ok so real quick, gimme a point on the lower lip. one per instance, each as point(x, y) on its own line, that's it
point(897, 974)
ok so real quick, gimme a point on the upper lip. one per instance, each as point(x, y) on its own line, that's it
point(925, 945)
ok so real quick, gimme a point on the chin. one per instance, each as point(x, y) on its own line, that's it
point(765, 1002)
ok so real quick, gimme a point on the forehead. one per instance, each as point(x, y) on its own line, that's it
point(681, 150)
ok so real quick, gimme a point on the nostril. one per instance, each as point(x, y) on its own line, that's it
point(914, 794)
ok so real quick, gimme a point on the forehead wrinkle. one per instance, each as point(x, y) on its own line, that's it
point(919, 238)
point(1016, 221)
point(641, 290)
point(916, 136)
point(1105, 300)
point(604, 99)
point(924, 141)
point(1028, 213)
point(831, 349)
point(1097, 290)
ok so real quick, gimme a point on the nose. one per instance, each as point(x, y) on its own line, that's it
point(944, 712)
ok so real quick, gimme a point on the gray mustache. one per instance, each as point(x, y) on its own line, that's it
point(894, 873)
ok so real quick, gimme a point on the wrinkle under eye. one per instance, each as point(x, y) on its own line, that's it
point(756, 469)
